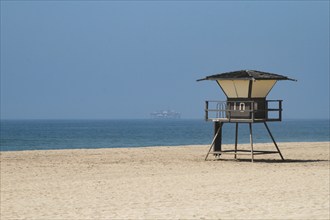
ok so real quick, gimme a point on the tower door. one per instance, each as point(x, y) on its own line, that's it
point(241, 106)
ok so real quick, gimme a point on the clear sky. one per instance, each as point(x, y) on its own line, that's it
point(117, 60)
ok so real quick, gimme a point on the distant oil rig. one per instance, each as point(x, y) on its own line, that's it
point(165, 114)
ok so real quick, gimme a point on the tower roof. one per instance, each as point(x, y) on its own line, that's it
point(247, 75)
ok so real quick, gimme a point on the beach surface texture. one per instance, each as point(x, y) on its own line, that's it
point(166, 183)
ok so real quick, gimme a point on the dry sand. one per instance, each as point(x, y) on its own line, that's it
point(165, 183)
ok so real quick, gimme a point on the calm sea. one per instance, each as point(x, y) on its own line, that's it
point(75, 134)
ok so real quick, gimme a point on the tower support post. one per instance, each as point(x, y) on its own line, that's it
point(270, 134)
point(213, 142)
point(251, 142)
point(218, 138)
point(236, 137)
point(216, 144)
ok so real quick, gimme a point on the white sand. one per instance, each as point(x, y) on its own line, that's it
point(166, 183)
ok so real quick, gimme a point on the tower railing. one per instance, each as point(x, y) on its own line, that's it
point(243, 111)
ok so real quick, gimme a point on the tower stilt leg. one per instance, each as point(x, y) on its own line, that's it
point(213, 141)
point(218, 141)
point(236, 135)
point(251, 142)
point(278, 150)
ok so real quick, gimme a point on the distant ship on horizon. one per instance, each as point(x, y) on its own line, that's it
point(165, 114)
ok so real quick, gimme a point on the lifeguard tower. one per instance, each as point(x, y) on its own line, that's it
point(246, 92)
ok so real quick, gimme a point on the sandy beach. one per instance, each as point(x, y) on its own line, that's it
point(166, 183)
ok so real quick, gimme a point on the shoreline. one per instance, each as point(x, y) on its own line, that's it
point(184, 145)
point(166, 182)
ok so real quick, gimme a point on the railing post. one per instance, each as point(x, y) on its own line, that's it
point(280, 110)
point(252, 111)
point(206, 110)
point(266, 110)
point(228, 111)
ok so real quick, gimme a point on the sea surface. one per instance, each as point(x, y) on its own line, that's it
point(19, 135)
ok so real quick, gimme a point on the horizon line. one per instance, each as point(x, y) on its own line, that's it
point(156, 119)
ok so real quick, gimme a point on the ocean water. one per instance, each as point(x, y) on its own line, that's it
point(76, 134)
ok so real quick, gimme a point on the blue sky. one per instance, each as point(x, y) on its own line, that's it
point(115, 60)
